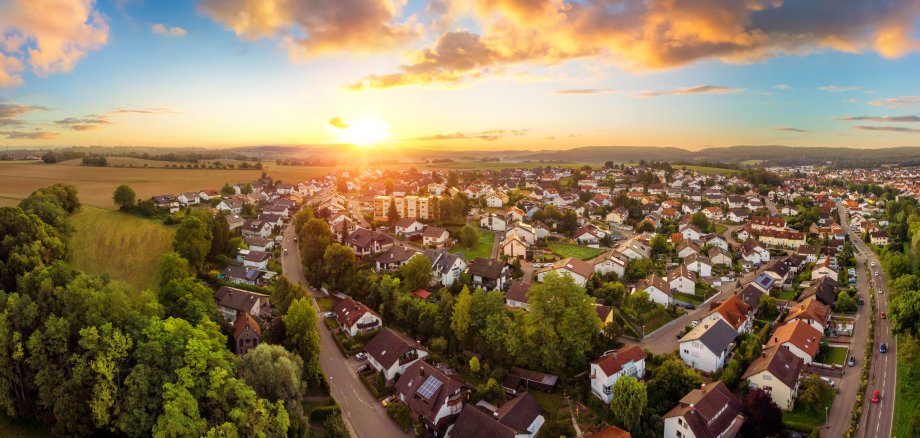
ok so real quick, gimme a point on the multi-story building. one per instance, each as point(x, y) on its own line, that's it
point(418, 207)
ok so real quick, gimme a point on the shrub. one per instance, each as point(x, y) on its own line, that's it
point(400, 414)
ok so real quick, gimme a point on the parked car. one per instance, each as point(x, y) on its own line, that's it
point(364, 368)
point(828, 380)
point(883, 348)
point(689, 306)
point(883, 315)
point(851, 361)
point(388, 400)
point(694, 323)
point(329, 315)
point(872, 264)
point(361, 355)
point(876, 397)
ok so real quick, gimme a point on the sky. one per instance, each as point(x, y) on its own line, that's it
point(459, 74)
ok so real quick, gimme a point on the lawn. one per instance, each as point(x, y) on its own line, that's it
point(803, 421)
point(836, 355)
point(657, 318)
point(705, 170)
point(482, 248)
point(18, 429)
point(907, 398)
point(688, 298)
point(577, 251)
point(126, 246)
point(720, 228)
point(558, 421)
point(785, 295)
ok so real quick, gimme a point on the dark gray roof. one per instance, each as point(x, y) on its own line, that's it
point(718, 336)
point(237, 299)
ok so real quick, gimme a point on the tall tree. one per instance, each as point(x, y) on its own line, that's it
point(461, 319)
point(628, 403)
point(670, 381)
point(220, 235)
point(284, 292)
point(124, 197)
point(193, 241)
point(303, 336)
point(277, 374)
point(416, 273)
point(763, 418)
point(338, 266)
point(314, 238)
point(564, 320)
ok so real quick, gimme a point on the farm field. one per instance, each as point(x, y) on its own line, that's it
point(482, 248)
point(707, 170)
point(499, 165)
point(96, 184)
point(126, 246)
point(577, 251)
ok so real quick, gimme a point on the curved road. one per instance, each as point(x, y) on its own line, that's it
point(363, 414)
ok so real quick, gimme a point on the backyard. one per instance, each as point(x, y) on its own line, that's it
point(802, 420)
point(835, 355)
point(482, 248)
point(580, 252)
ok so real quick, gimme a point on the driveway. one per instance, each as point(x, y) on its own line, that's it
point(363, 414)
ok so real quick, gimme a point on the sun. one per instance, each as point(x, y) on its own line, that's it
point(365, 132)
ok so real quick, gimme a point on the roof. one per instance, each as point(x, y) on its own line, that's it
point(245, 320)
point(475, 422)
point(715, 336)
point(257, 256)
point(572, 264)
point(798, 333)
point(765, 281)
point(363, 237)
point(396, 254)
point(518, 291)
point(406, 222)
point(433, 232)
point(388, 346)
point(681, 271)
point(781, 362)
point(519, 412)
point(422, 293)
point(710, 411)
point(237, 299)
point(610, 432)
point(656, 281)
point(349, 311)
point(425, 389)
point(809, 308)
point(733, 310)
point(486, 268)
point(614, 362)
point(750, 295)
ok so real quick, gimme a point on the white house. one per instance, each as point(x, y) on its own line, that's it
point(658, 290)
point(390, 353)
point(494, 201)
point(707, 345)
point(257, 260)
point(799, 337)
point(408, 225)
point(493, 222)
point(683, 280)
point(606, 370)
point(709, 411)
point(189, 198)
point(524, 232)
point(354, 317)
point(700, 264)
point(615, 263)
point(579, 270)
point(435, 237)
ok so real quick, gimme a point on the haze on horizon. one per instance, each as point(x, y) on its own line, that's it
point(464, 74)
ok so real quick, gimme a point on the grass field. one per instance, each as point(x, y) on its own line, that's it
point(499, 165)
point(707, 170)
point(804, 421)
point(126, 246)
point(96, 184)
point(907, 398)
point(836, 355)
point(688, 298)
point(750, 162)
point(482, 248)
point(720, 228)
point(577, 251)
point(15, 429)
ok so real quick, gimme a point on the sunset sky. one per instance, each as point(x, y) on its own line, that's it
point(487, 74)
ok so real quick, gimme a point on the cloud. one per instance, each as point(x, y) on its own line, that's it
point(642, 35)
point(789, 129)
point(308, 28)
point(490, 135)
point(29, 135)
point(140, 111)
point(5, 121)
point(162, 29)
point(16, 110)
point(781, 87)
point(839, 89)
point(47, 36)
point(904, 119)
point(582, 91)
point(337, 122)
point(888, 128)
point(699, 89)
point(87, 123)
point(897, 102)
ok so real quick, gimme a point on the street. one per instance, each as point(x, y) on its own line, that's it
point(363, 414)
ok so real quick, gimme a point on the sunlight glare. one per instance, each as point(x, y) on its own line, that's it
point(365, 132)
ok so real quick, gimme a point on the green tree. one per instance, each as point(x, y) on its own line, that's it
point(492, 391)
point(314, 238)
point(193, 241)
point(416, 273)
point(124, 197)
point(671, 381)
point(247, 189)
point(701, 221)
point(844, 302)
point(338, 266)
point(811, 393)
point(474, 365)
point(763, 418)
point(628, 401)
point(27, 243)
point(303, 336)
point(904, 309)
point(220, 235)
point(227, 191)
point(563, 321)
point(284, 292)
point(301, 219)
point(461, 319)
point(392, 215)
point(660, 245)
point(645, 227)
point(468, 236)
point(277, 374)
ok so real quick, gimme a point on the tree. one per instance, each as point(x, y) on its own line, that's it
point(628, 401)
point(220, 235)
point(904, 309)
point(763, 418)
point(638, 269)
point(392, 214)
point(563, 321)
point(284, 293)
point(416, 273)
point(247, 189)
point(768, 307)
point(660, 245)
point(468, 236)
point(492, 391)
point(276, 374)
point(314, 237)
point(303, 336)
point(645, 227)
point(124, 197)
point(701, 221)
point(461, 319)
point(474, 365)
point(844, 302)
point(671, 381)
point(193, 241)
point(811, 393)
point(27, 243)
point(227, 191)
point(338, 266)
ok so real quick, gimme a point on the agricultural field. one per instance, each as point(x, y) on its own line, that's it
point(707, 170)
point(577, 251)
point(126, 246)
point(96, 184)
point(500, 165)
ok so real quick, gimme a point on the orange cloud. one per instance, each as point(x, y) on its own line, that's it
point(897, 102)
point(162, 29)
point(29, 135)
point(490, 135)
point(699, 89)
point(48, 36)
point(313, 27)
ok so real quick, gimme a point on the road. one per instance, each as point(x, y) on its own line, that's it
point(877, 418)
point(363, 414)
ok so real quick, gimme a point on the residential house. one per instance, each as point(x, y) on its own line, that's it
point(489, 274)
point(879, 238)
point(720, 257)
point(433, 397)
point(634, 249)
point(513, 247)
point(579, 270)
point(759, 223)
point(408, 226)
point(246, 333)
point(517, 418)
point(776, 371)
point(354, 317)
point(812, 311)
point(256, 228)
point(494, 200)
point(823, 269)
point(232, 302)
point(390, 353)
point(394, 257)
point(435, 237)
point(658, 290)
point(707, 345)
point(700, 264)
point(735, 312)
point(588, 235)
point(686, 248)
point(690, 232)
point(754, 252)
point(257, 260)
point(166, 202)
point(445, 267)
point(516, 297)
point(259, 243)
point(607, 369)
point(711, 411)
point(189, 198)
point(494, 222)
point(751, 295)
point(231, 206)
point(614, 262)
point(683, 280)
point(738, 216)
point(365, 242)
point(523, 231)
point(242, 275)
point(799, 337)
point(618, 216)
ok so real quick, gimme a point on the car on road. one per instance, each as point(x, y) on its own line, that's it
point(364, 368)
point(872, 264)
point(295, 238)
point(694, 323)
point(361, 355)
point(388, 400)
point(883, 348)
point(689, 306)
point(876, 273)
point(880, 291)
point(329, 315)
point(852, 361)
point(883, 315)
point(876, 397)
point(285, 251)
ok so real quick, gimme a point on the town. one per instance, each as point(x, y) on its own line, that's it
point(644, 299)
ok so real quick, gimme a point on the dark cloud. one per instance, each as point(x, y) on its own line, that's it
point(883, 119)
point(888, 128)
point(337, 122)
point(490, 135)
point(87, 123)
point(16, 110)
point(699, 89)
point(585, 91)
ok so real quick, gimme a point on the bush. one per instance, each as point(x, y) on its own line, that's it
point(400, 414)
point(320, 414)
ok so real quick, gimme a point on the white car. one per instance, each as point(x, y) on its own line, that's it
point(872, 264)
point(828, 380)
point(361, 355)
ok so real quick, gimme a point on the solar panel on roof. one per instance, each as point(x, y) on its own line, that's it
point(431, 385)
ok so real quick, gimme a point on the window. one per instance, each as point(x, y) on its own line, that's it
point(767, 377)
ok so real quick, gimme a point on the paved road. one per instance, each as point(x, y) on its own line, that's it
point(364, 415)
point(877, 418)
